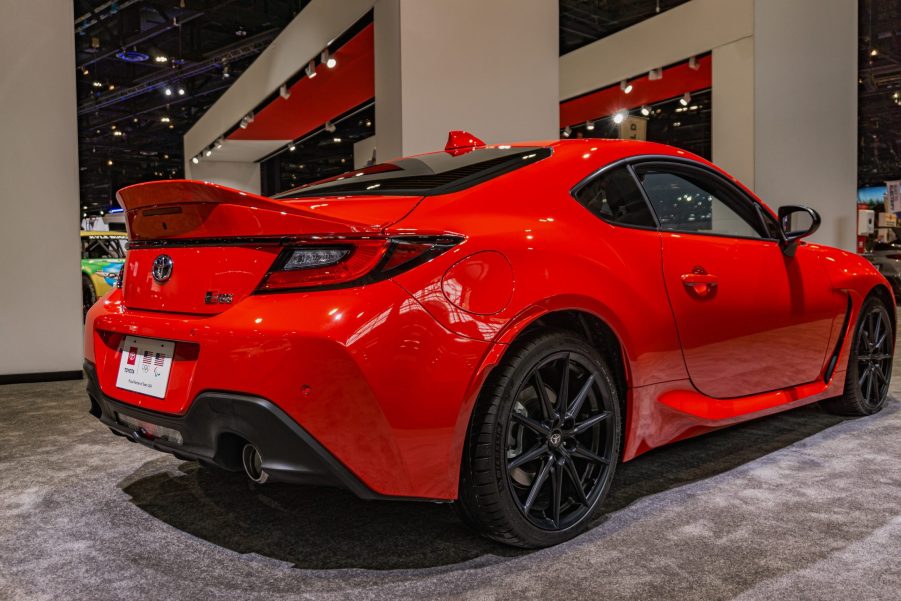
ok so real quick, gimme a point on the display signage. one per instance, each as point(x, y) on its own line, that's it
point(893, 196)
point(633, 128)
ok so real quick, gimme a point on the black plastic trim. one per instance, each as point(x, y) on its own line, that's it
point(833, 360)
point(290, 453)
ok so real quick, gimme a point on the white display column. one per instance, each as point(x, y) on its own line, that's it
point(491, 68)
point(40, 281)
point(805, 110)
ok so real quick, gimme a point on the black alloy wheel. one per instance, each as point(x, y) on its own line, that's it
point(869, 364)
point(874, 356)
point(543, 443)
point(559, 442)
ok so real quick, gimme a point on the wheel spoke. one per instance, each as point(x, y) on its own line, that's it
point(589, 455)
point(877, 328)
point(590, 422)
point(530, 423)
point(563, 395)
point(864, 376)
point(576, 406)
point(530, 455)
point(537, 484)
point(538, 384)
point(574, 476)
point(558, 494)
point(869, 394)
point(880, 375)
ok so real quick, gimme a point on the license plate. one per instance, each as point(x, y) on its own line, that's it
point(144, 365)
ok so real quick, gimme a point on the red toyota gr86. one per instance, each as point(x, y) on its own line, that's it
point(494, 326)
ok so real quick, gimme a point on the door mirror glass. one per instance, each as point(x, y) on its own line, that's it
point(797, 222)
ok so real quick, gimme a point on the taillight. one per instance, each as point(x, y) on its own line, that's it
point(351, 262)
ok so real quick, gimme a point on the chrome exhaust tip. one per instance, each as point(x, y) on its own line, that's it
point(253, 464)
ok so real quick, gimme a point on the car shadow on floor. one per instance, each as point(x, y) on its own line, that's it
point(322, 528)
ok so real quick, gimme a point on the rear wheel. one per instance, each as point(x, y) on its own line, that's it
point(543, 443)
point(869, 364)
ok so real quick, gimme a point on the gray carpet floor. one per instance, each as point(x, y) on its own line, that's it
point(801, 505)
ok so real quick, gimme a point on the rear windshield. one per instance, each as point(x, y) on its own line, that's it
point(428, 174)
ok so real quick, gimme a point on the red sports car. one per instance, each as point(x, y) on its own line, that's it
point(494, 326)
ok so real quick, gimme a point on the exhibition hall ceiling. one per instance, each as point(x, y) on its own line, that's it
point(148, 69)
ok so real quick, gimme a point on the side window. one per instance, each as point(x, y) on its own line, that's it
point(614, 196)
point(689, 200)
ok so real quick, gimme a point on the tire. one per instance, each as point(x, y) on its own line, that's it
point(529, 477)
point(88, 295)
point(869, 363)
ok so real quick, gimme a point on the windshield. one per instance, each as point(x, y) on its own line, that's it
point(102, 247)
point(428, 174)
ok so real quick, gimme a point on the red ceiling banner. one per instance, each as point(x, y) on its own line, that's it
point(676, 80)
point(314, 101)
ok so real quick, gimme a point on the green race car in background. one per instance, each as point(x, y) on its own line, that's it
point(102, 256)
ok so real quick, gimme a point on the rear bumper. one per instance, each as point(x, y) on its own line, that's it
point(368, 374)
point(207, 433)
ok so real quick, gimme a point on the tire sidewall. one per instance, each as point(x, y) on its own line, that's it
point(852, 374)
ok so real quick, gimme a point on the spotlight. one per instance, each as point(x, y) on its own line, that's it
point(589, 125)
point(195, 160)
point(336, 139)
point(645, 110)
point(97, 84)
point(165, 119)
point(117, 133)
point(225, 72)
point(109, 162)
point(874, 52)
point(284, 92)
point(112, 87)
point(85, 72)
point(327, 59)
point(291, 147)
point(311, 69)
point(567, 131)
point(368, 123)
point(686, 98)
point(693, 63)
point(655, 74)
point(207, 152)
point(329, 127)
point(619, 117)
point(161, 59)
point(218, 144)
point(181, 91)
point(168, 91)
point(625, 86)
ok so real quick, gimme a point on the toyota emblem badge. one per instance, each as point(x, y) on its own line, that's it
point(162, 268)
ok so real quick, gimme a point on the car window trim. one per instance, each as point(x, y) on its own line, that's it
point(626, 162)
point(685, 162)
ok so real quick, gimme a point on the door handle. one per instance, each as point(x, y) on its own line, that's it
point(700, 282)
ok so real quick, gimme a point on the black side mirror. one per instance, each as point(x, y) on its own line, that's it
point(797, 222)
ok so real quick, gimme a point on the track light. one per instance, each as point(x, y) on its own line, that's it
point(168, 91)
point(109, 162)
point(645, 110)
point(225, 72)
point(207, 152)
point(311, 69)
point(327, 59)
point(655, 74)
point(619, 117)
point(284, 92)
point(686, 98)
point(161, 59)
point(218, 144)
point(164, 119)
point(567, 131)
point(336, 140)
point(246, 120)
point(291, 147)
point(693, 63)
point(195, 160)
point(181, 91)
point(589, 125)
point(625, 86)
point(329, 127)
point(97, 84)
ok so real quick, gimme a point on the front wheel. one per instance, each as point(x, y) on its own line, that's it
point(869, 364)
point(543, 443)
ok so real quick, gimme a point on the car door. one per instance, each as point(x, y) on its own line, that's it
point(750, 319)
